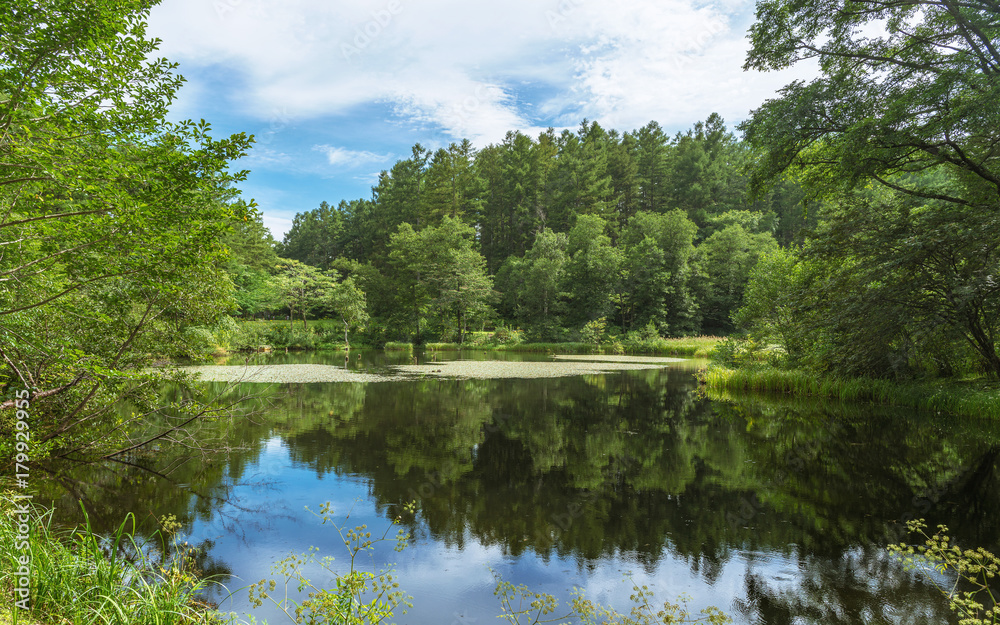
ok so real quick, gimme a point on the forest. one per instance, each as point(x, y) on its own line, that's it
point(845, 232)
point(848, 227)
point(638, 230)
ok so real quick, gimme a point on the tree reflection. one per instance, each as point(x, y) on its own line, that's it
point(634, 463)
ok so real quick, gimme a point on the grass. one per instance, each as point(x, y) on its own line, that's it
point(975, 398)
point(393, 346)
point(688, 347)
point(79, 577)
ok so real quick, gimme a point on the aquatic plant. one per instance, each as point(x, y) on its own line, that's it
point(359, 597)
point(522, 606)
point(973, 573)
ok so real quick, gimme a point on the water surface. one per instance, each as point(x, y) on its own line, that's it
point(774, 511)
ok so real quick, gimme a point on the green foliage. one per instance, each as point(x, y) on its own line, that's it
point(571, 227)
point(359, 598)
point(398, 346)
point(728, 256)
point(441, 275)
point(78, 576)
point(593, 331)
point(742, 353)
point(113, 217)
point(505, 335)
point(706, 174)
point(771, 302)
point(592, 273)
point(974, 569)
point(896, 136)
point(915, 272)
point(321, 334)
point(522, 606)
point(886, 287)
point(973, 400)
point(315, 237)
point(919, 91)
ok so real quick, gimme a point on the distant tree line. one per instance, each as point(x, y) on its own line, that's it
point(646, 231)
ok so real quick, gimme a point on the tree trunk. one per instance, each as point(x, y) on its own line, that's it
point(982, 342)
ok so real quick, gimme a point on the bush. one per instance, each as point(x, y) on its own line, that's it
point(593, 331)
point(199, 341)
point(741, 353)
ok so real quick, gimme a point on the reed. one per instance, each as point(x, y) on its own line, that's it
point(443, 347)
point(395, 346)
point(80, 577)
point(974, 398)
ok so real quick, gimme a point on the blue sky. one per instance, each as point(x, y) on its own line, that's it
point(337, 91)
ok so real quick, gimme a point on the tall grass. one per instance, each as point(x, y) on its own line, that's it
point(82, 578)
point(689, 347)
point(395, 346)
point(976, 399)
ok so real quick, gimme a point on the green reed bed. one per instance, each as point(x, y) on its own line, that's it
point(690, 347)
point(79, 577)
point(687, 347)
point(971, 398)
point(393, 346)
point(442, 347)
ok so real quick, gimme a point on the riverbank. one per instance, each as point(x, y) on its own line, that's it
point(328, 335)
point(76, 576)
point(970, 397)
point(688, 347)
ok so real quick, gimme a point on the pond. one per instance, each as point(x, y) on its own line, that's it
point(774, 511)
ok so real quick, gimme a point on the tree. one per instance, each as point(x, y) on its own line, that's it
point(705, 179)
point(442, 274)
point(652, 154)
point(777, 291)
point(453, 187)
point(728, 256)
point(579, 182)
point(314, 237)
point(592, 270)
point(111, 218)
point(541, 301)
point(905, 267)
point(923, 271)
point(921, 89)
point(665, 293)
point(301, 287)
point(348, 301)
point(251, 260)
point(515, 174)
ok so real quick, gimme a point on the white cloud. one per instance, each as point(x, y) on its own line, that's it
point(350, 158)
point(458, 66)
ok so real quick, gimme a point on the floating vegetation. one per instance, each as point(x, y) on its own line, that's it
point(270, 374)
point(495, 369)
point(466, 369)
point(607, 358)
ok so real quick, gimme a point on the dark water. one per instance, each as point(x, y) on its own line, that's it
point(775, 512)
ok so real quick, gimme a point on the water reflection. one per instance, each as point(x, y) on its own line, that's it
point(777, 512)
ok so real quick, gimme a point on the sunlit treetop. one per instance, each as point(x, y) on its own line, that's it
point(904, 86)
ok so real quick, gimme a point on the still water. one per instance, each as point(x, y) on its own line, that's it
point(774, 511)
